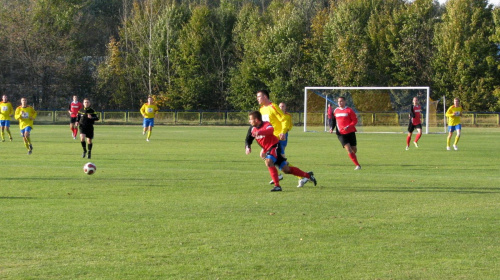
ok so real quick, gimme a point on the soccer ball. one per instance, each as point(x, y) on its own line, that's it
point(89, 168)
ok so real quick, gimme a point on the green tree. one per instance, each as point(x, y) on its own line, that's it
point(495, 38)
point(245, 77)
point(269, 48)
point(410, 43)
point(349, 47)
point(202, 57)
point(466, 60)
point(112, 88)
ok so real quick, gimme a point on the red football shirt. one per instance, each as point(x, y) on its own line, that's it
point(417, 115)
point(265, 136)
point(345, 118)
point(75, 108)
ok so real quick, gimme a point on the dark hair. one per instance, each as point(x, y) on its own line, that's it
point(341, 97)
point(256, 115)
point(265, 92)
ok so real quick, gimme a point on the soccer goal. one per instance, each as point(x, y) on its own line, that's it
point(379, 109)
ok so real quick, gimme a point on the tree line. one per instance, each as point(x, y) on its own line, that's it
point(215, 54)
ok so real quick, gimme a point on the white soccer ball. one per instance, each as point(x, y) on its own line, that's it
point(89, 168)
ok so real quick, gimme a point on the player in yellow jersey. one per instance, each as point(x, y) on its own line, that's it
point(6, 112)
point(25, 114)
point(273, 114)
point(149, 111)
point(453, 114)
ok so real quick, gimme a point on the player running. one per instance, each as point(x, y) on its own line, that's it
point(86, 121)
point(263, 133)
point(273, 114)
point(344, 120)
point(25, 114)
point(149, 111)
point(415, 123)
point(6, 112)
point(453, 114)
point(74, 107)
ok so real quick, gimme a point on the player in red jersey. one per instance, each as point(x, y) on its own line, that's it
point(415, 123)
point(345, 119)
point(263, 133)
point(74, 108)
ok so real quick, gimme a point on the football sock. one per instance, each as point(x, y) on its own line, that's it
point(149, 134)
point(354, 158)
point(416, 139)
point(3, 135)
point(26, 144)
point(299, 173)
point(274, 175)
point(448, 141)
point(408, 139)
point(8, 132)
point(28, 140)
point(83, 146)
point(456, 140)
point(90, 147)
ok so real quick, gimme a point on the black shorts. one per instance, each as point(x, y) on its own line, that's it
point(88, 131)
point(412, 127)
point(73, 120)
point(349, 138)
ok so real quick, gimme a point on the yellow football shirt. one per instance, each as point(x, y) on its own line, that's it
point(288, 117)
point(453, 114)
point(25, 116)
point(273, 114)
point(149, 111)
point(6, 111)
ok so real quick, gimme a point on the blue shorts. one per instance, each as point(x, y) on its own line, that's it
point(275, 154)
point(452, 128)
point(26, 129)
point(5, 123)
point(283, 143)
point(148, 122)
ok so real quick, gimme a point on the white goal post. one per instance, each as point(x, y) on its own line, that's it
point(396, 110)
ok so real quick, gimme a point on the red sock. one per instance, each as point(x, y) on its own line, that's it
point(297, 172)
point(408, 139)
point(354, 158)
point(274, 175)
point(418, 137)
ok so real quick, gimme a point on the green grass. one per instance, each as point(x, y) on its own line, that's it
point(191, 205)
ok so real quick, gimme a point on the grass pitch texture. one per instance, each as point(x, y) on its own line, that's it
point(191, 205)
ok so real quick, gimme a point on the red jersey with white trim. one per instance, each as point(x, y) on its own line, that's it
point(416, 119)
point(74, 108)
point(263, 135)
point(345, 118)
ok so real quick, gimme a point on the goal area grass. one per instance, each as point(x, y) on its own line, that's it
point(190, 204)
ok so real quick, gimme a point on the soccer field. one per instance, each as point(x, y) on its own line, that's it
point(191, 205)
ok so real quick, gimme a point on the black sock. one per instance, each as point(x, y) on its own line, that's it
point(90, 147)
point(83, 146)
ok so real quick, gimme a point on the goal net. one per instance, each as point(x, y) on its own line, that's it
point(379, 109)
